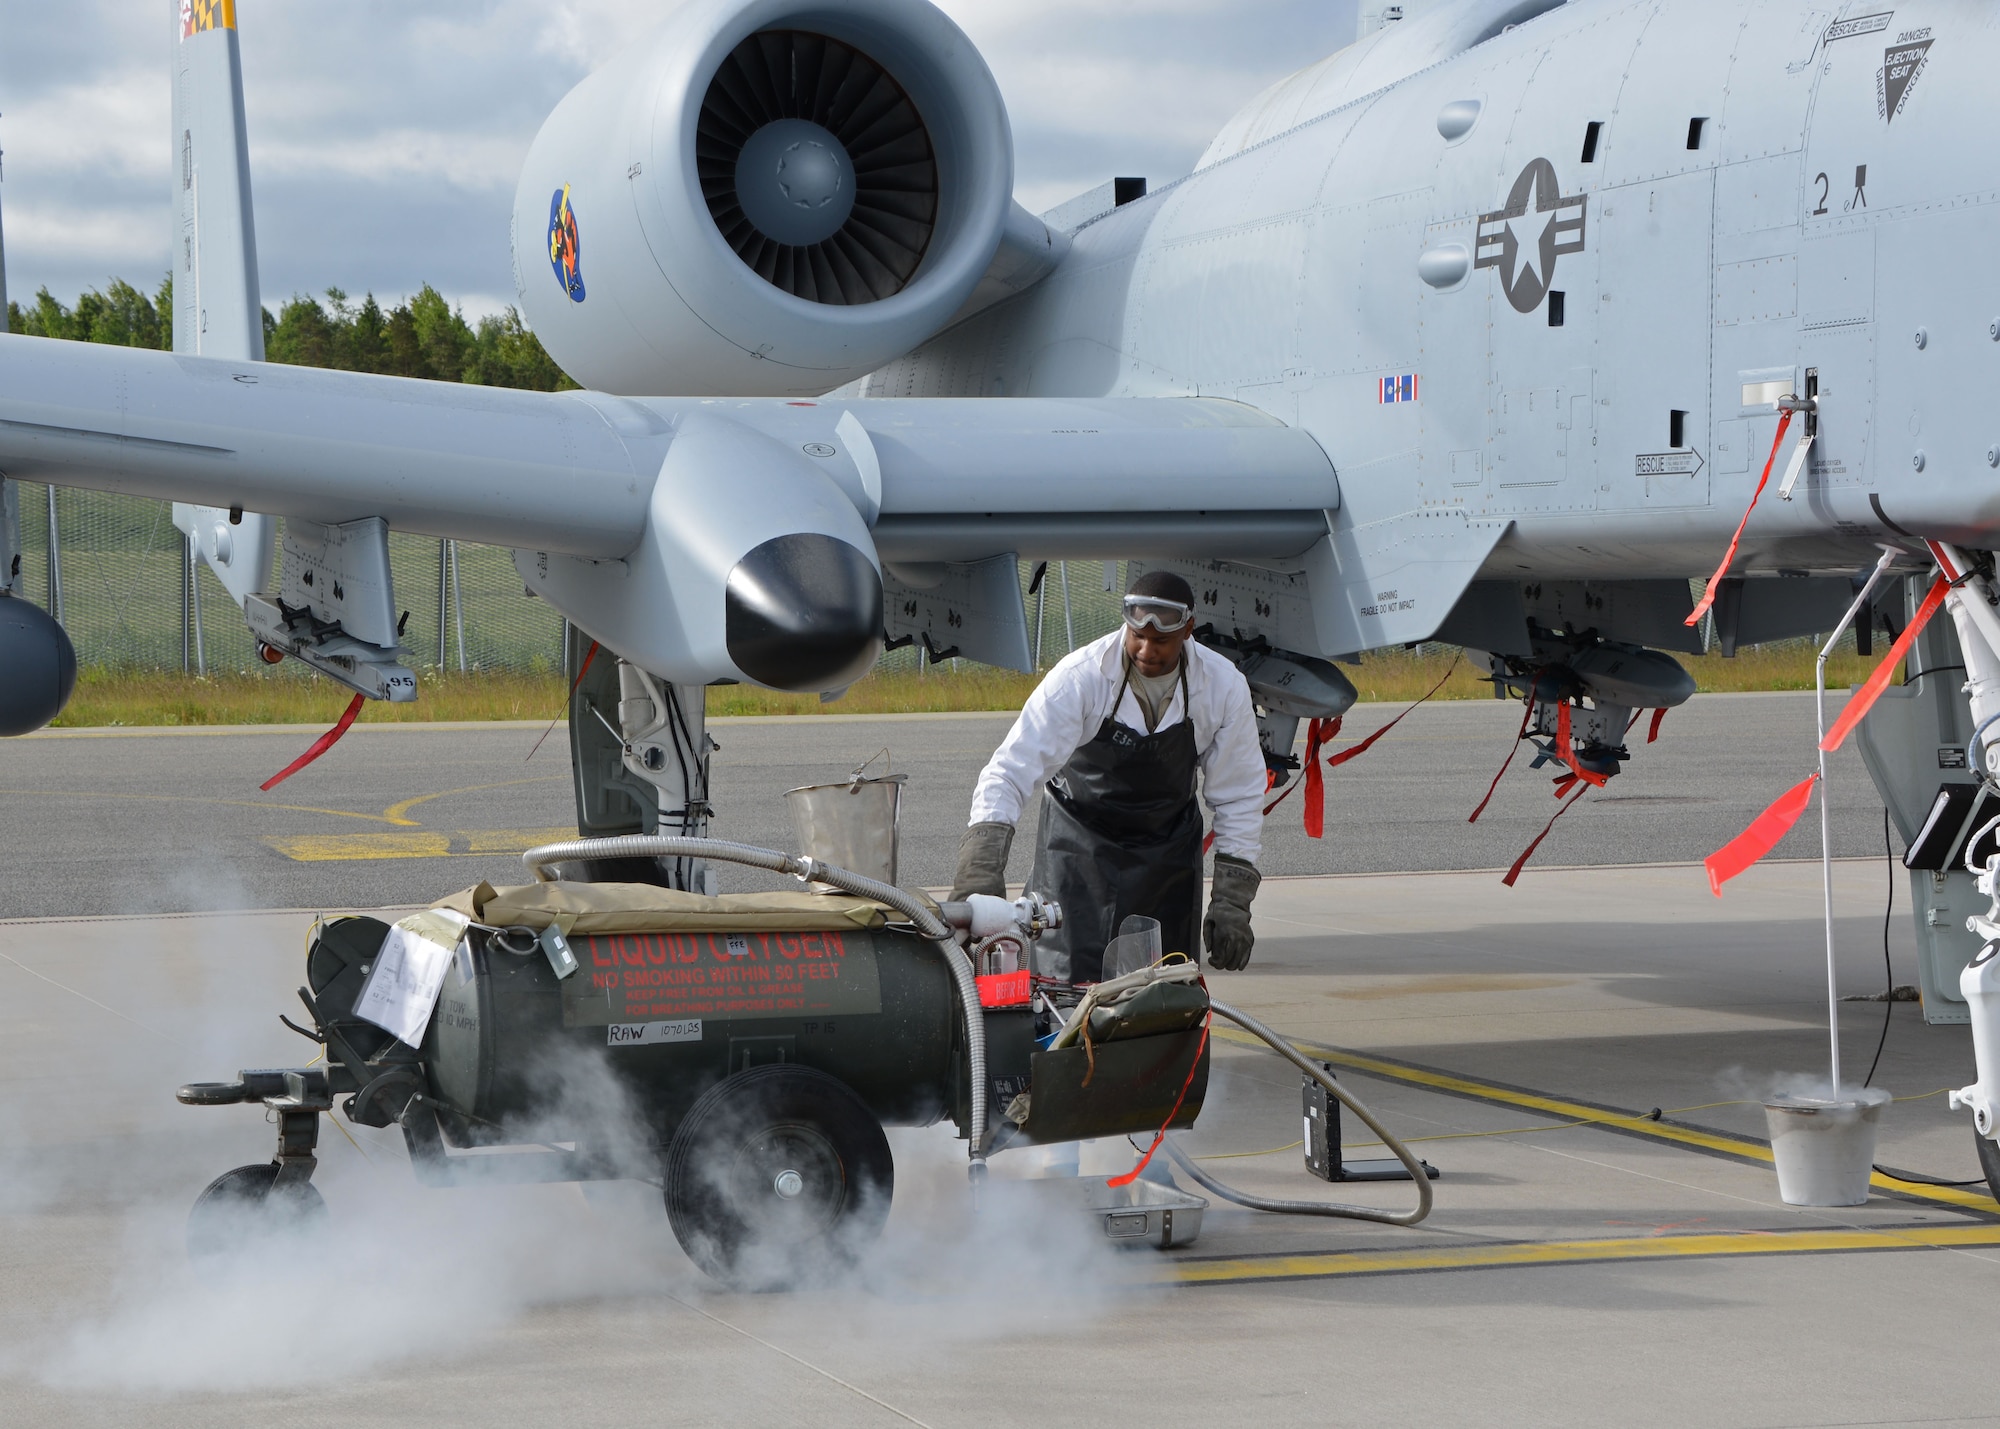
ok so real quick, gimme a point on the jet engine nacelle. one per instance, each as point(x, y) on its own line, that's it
point(37, 667)
point(764, 198)
point(778, 583)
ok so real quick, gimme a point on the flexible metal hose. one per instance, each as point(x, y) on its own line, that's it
point(923, 916)
point(1312, 1208)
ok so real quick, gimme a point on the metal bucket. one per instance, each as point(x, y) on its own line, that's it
point(852, 824)
point(1824, 1149)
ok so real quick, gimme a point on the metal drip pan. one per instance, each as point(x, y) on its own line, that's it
point(1142, 1213)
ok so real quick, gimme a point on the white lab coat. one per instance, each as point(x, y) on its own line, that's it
point(1074, 698)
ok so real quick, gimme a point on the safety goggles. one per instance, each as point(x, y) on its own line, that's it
point(1165, 616)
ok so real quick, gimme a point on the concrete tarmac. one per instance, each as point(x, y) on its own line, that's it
point(1589, 1259)
point(105, 821)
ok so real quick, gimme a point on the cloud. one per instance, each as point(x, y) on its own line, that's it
point(115, 125)
point(385, 138)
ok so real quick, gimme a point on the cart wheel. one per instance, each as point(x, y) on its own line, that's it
point(1989, 1162)
point(242, 1207)
point(779, 1176)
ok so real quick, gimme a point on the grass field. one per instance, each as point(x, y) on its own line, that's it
point(106, 697)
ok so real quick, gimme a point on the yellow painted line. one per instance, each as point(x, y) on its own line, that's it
point(345, 848)
point(1334, 1264)
point(1715, 1143)
point(124, 798)
point(399, 813)
point(412, 843)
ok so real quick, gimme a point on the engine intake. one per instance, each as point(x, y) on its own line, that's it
point(768, 197)
point(817, 168)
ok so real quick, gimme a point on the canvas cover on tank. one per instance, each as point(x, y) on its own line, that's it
point(644, 908)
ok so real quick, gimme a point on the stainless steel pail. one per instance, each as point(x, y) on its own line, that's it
point(852, 824)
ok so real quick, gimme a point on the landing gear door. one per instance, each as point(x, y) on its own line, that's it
point(609, 801)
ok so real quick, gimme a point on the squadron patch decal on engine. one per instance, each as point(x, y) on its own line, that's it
point(1902, 63)
point(630, 979)
point(565, 245)
point(1527, 283)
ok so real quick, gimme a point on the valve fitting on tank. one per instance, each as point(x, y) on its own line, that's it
point(983, 916)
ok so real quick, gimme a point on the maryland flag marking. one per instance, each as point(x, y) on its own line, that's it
point(200, 15)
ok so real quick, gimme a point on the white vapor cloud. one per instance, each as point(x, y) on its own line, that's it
point(385, 138)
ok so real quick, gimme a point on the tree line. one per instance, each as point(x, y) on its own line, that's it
point(422, 337)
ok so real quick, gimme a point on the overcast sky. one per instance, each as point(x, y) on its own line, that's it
point(385, 138)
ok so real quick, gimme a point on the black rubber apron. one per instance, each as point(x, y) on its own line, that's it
point(1120, 834)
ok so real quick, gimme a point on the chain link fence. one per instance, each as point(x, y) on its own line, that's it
point(1071, 604)
point(117, 574)
point(115, 571)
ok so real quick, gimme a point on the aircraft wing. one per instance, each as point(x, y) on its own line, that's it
point(676, 494)
point(571, 472)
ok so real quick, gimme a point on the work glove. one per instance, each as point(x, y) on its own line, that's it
point(1226, 930)
point(982, 862)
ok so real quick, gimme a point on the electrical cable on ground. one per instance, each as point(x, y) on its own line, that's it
point(1655, 1114)
point(1909, 1180)
point(1237, 1155)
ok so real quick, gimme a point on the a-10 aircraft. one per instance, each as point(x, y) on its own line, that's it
point(1479, 331)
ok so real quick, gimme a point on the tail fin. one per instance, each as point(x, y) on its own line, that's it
point(218, 311)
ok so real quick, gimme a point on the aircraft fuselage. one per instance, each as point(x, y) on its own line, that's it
point(1663, 216)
